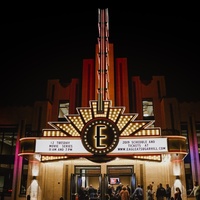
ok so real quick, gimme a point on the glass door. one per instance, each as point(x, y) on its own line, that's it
point(87, 182)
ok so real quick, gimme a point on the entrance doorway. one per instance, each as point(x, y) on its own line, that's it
point(91, 177)
point(121, 175)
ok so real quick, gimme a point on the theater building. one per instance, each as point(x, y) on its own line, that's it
point(105, 129)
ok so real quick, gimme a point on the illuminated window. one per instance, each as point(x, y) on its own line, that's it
point(184, 132)
point(63, 109)
point(147, 106)
point(8, 138)
point(8, 135)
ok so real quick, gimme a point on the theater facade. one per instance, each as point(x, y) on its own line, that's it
point(99, 149)
point(105, 129)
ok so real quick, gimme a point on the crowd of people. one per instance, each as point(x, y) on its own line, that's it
point(88, 193)
point(123, 192)
point(120, 192)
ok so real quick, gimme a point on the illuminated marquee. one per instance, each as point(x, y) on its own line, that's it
point(74, 146)
point(101, 137)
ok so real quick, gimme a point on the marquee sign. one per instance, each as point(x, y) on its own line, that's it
point(125, 146)
point(101, 137)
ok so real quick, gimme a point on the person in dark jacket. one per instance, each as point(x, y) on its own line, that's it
point(81, 193)
point(118, 189)
point(168, 192)
point(129, 189)
point(92, 191)
point(160, 192)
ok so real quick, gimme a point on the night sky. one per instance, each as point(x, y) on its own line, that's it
point(37, 46)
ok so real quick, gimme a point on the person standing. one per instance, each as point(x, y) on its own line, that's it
point(110, 191)
point(124, 194)
point(81, 193)
point(91, 191)
point(177, 194)
point(168, 192)
point(128, 188)
point(138, 193)
point(160, 192)
point(150, 192)
point(118, 189)
point(196, 190)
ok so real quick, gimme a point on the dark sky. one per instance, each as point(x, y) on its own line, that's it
point(37, 46)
